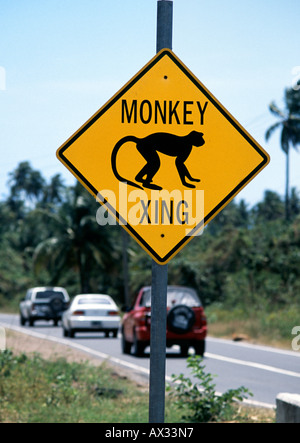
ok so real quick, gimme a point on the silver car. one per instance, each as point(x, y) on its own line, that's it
point(43, 303)
point(91, 313)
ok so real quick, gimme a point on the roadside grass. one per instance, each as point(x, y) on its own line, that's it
point(35, 390)
point(265, 327)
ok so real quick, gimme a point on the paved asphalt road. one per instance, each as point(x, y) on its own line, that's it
point(263, 370)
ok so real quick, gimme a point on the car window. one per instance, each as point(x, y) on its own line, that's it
point(175, 296)
point(94, 301)
point(49, 294)
point(183, 297)
point(146, 298)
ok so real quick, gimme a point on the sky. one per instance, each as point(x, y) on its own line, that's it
point(62, 60)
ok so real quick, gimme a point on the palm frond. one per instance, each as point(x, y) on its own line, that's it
point(276, 111)
point(271, 129)
point(44, 254)
point(294, 117)
point(47, 216)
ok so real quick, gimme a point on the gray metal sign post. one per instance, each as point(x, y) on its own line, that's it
point(159, 272)
point(164, 24)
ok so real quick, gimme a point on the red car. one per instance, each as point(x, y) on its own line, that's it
point(186, 322)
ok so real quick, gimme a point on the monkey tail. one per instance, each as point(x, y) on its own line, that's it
point(129, 138)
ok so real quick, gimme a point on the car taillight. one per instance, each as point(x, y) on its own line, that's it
point(78, 313)
point(113, 313)
point(144, 319)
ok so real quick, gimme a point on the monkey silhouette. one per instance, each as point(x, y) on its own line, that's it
point(165, 143)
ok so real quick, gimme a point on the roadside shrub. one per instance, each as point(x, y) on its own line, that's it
point(200, 398)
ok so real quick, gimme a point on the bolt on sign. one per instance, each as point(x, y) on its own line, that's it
point(163, 156)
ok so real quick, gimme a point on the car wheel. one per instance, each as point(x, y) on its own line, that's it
point(184, 350)
point(65, 332)
point(71, 333)
point(31, 322)
point(200, 348)
point(22, 320)
point(125, 345)
point(115, 333)
point(180, 319)
point(138, 347)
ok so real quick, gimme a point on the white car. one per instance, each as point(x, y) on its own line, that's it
point(91, 313)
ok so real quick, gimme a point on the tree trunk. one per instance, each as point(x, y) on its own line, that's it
point(84, 285)
point(287, 185)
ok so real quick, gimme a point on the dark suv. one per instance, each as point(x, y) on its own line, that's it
point(186, 322)
point(43, 303)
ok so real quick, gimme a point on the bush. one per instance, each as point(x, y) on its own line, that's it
point(201, 398)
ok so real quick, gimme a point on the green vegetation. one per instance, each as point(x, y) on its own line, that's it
point(200, 398)
point(246, 265)
point(34, 390)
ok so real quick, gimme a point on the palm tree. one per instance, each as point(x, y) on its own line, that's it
point(53, 192)
point(75, 240)
point(271, 208)
point(289, 123)
point(26, 182)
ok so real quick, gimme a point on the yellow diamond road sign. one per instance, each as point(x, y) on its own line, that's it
point(163, 156)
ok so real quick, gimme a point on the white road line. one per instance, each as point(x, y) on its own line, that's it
point(253, 365)
point(255, 346)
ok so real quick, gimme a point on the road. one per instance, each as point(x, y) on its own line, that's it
point(265, 371)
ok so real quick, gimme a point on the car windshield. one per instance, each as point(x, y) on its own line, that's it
point(49, 294)
point(175, 296)
point(94, 301)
